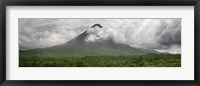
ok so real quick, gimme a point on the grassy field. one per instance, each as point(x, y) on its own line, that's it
point(31, 59)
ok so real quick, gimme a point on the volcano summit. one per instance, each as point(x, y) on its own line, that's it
point(92, 42)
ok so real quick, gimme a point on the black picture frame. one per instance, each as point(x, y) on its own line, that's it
point(4, 3)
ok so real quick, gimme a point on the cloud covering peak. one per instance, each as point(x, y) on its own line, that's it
point(163, 35)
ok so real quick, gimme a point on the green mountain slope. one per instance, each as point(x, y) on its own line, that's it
point(79, 47)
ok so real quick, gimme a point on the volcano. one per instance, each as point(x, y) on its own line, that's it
point(80, 46)
point(95, 47)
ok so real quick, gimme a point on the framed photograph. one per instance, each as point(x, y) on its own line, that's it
point(93, 42)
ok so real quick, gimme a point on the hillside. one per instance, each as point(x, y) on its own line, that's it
point(79, 46)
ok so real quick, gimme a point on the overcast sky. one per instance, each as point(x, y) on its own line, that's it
point(163, 35)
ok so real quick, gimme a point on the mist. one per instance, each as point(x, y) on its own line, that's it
point(163, 35)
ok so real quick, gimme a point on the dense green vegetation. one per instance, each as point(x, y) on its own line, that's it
point(42, 59)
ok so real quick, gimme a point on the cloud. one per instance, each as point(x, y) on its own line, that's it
point(159, 34)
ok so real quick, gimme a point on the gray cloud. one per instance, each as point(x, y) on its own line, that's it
point(160, 34)
point(169, 34)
